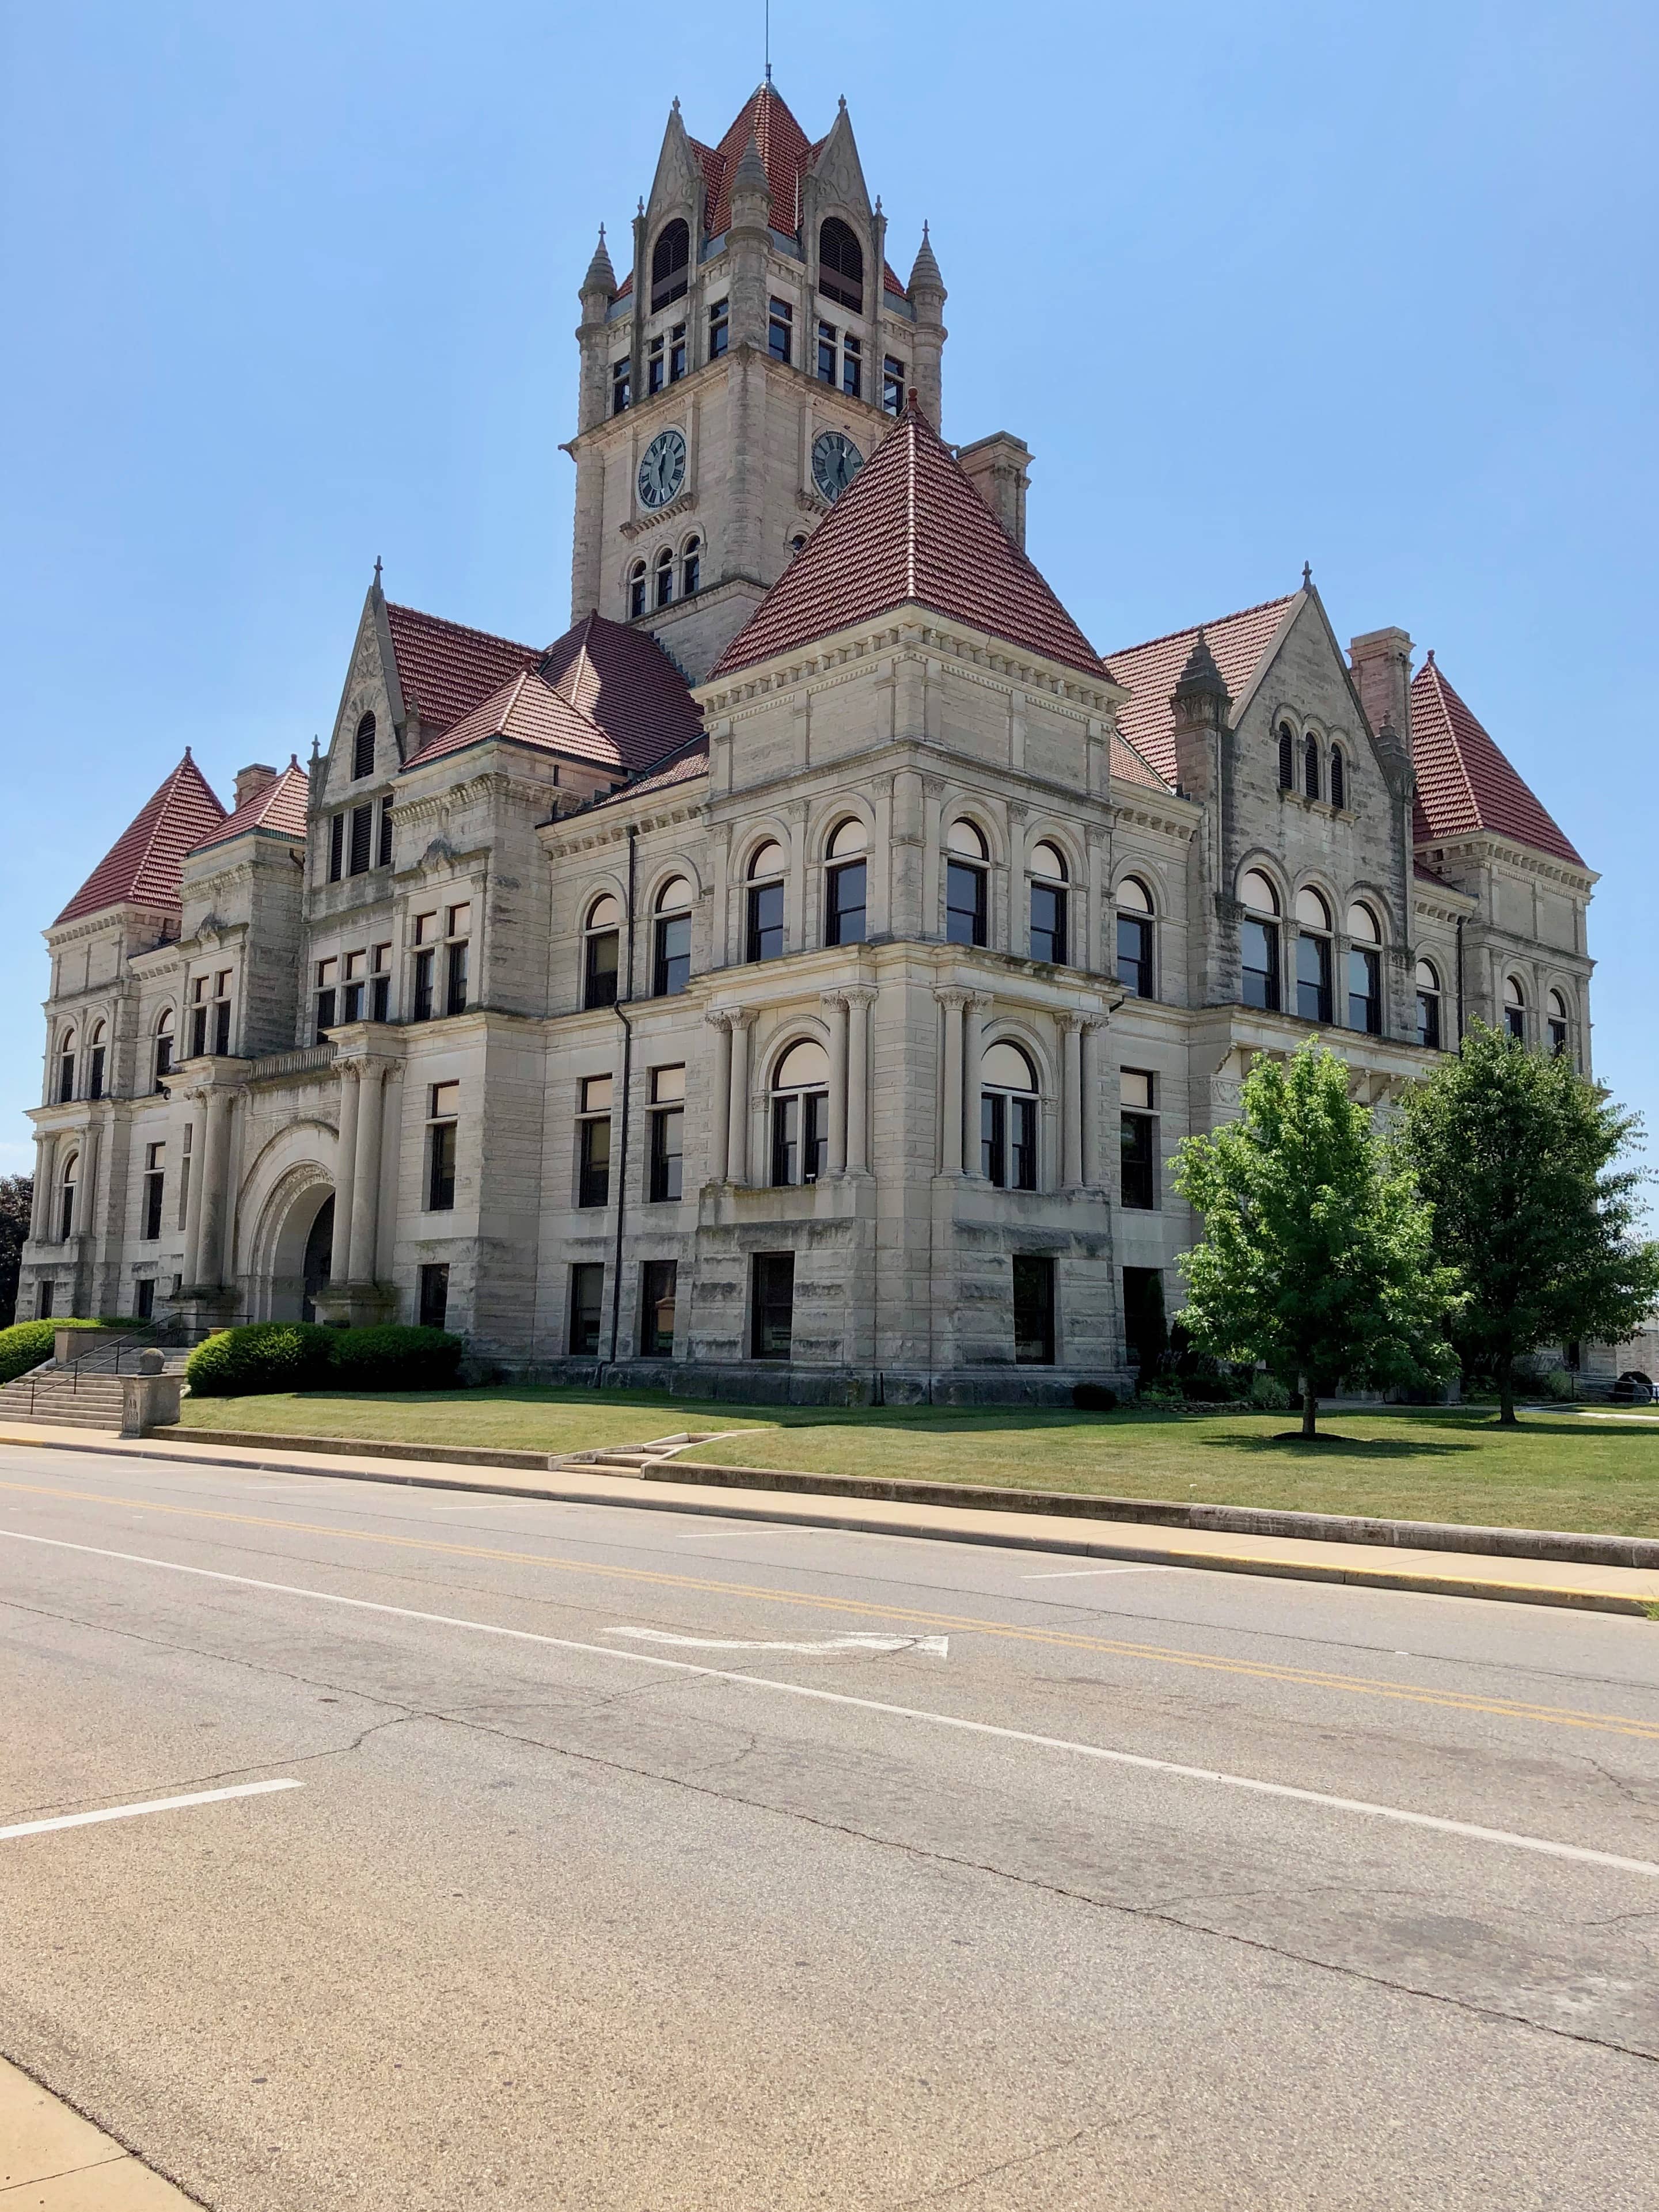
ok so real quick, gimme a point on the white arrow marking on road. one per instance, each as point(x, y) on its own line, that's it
point(937, 1647)
point(151, 1805)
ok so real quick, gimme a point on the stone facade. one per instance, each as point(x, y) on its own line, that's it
point(901, 1166)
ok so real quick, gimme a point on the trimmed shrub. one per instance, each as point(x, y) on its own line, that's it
point(271, 1355)
point(27, 1343)
point(1094, 1398)
point(394, 1358)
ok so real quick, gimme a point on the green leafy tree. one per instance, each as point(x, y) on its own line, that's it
point(1520, 1157)
point(1317, 1254)
point(16, 1197)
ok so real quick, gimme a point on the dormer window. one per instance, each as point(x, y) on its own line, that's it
point(841, 264)
point(670, 260)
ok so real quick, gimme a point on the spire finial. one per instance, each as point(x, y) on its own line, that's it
point(676, 107)
point(1431, 659)
point(377, 572)
point(316, 750)
point(601, 233)
point(293, 760)
point(187, 752)
point(639, 210)
point(1307, 574)
point(842, 104)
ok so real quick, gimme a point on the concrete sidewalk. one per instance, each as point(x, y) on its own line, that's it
point(1438, 1573)
point(52, 2160)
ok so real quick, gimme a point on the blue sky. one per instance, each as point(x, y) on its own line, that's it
point(290, 288)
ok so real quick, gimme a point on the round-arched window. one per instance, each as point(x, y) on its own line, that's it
point(1310, 765)
point(1313, 955)
point(95, 1061)
point(765, 902)
point(841, 264)
point(1339, 778)
point(1048, 861)
point(846, 890)
point(68, 1181)
point(664, 594)
point(968, 839)
point(1256, 892)
point(1365, 970)
point(670, 965)
point(768, 861)
point(1258, 937)
point(1311, 911)
point(1558, 1022)
point(363, 748)
point(66, 1066)
point(1428, 1006)
point(1007, 1118)
point(1514, 1010)
point(163, 1045)
point(966, 901)
point(1132, 896)
point(1049, 918)
point(601, 951)
point(636, 591)
point(1286, 757)
point(691, 566)
point(670, 258)
point(848, 837)
point(1135, 937)
point(800, 1113)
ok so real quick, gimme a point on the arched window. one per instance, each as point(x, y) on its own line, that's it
point(965, 885)
point(845, 890)
point(1428, 1006)
point(670, 258)
point(671, 966)
point(1514, 1010)
point(66, 1067)
point(1259, 941)
point(1365, 965)
point(796, 542)
point(1339, 778)
point(841, 264)
point(691, 566)
point(765, 931)
point(1135, 937)
point(1310, 766)
point(1286, 757)
point(1048, 903)
point(601, 951)
point(664, 594)
point(95, 1061)
point(800, 1113)
point(636, 591)
point(1558, 1022)
point(66, 1197)
point(163, 1046)
point(1313, 955)
point(1008, 1119)
point(362, 748)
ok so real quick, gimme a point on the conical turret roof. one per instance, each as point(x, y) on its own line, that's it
point(910, 529)
point(144, 865)
point(1464, 779)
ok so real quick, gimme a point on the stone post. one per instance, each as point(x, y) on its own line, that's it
point(719, 1097)
point(836, 1005)
point(952, 1000)
point(366, 1173)
point(1070, 1111)
point(736, 1145)
point(973, 1056)
point(345, 1164)
point(859, 1003)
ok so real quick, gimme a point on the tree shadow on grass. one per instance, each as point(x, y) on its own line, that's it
point(1281, 1446)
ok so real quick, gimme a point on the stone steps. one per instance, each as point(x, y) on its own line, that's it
point(58, 1396)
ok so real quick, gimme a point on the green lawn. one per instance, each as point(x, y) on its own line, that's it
point(1553, 1472)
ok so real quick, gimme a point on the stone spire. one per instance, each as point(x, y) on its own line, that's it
point(925, 272)
point(751, 194)
point(601, 277)
point(1200, 702)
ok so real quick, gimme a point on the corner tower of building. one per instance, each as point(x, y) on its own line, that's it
point(740, 374)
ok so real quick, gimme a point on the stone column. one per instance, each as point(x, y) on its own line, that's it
point(345, 1168)
point(196, 1101)
point(1090, 1106)
point(839, 1103)
point(366, 1173)
point(1071, 1108)
point(46, 1153)
point(211, 1220)
point(736, 1137)
point(973, 1056)
point(719, 1097)
point(952, 1001)
point(859, 1003)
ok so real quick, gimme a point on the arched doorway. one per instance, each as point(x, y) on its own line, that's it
point(290, 1255)
point(320, 1245)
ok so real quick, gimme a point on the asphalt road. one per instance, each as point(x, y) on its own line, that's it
point(560, 1916)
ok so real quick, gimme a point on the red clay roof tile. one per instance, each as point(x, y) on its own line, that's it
point(621, 679)
point(446, 670)
point(278, 807)
point(145, 865)
point(1151, 672)
point(910, 529)
point(1464, 781)
point(784, 155)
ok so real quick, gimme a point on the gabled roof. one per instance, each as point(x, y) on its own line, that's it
point(278, 807)
point(1151, 672)
point(1464, 781)
point(144, 865)
point(911, 529)
point(528, 711)
point(445, 669)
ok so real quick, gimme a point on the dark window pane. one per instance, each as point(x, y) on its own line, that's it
point(1557, 1036)
point(221, 1027)
point(1313, 978)
point(1023, 1148)
point(163, 1059)
point(1048, 923)
point(95, 1072)
point(66, 1079)
point(892, 386)
point(1134, 954)
point(1310, 768)
point(325, 1013)
point(993, 1137)
point(593, 1177)
point(673, 960)
point(1339, 779)
point(586, 1308)
point(690, 573)
point(670, 260)
point(668, 1148)
point(144, 1302)
point(199, 1033)
point(423, 962)
point(363, 748)
point(363, 837)
point(964, 904)
point(765, 921)
point(774, 1304)
point(719, 330)
point(815, 1136)
point(786, 1141)
point(1286, 759)
point(382, 998)
point(599, 980)
point(153, 1187)
point(1033, 1311)
point(1261, 951)
point(1140, 1162)
point(826, 353)
point(1365, 991)
point(1428, 1019)
point(435, 1295)
point(441, 1188)
point(1515, 1021)
point(455, 994)
point(621, 385)
point(656, 1286)
point(847, 907)
point(383, 858)
point(351, 1003)
point(1146, 1335)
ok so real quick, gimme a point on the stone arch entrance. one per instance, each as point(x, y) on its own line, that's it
point(292, 1249)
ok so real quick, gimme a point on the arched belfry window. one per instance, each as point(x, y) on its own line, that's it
point(1286, 758)
point(362, 748)
point(841, 264)
point(670, 258)
point(1310, 766)
point(1339, 778)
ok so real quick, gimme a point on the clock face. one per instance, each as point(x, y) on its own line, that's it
point(836, 461)
point(662, 472)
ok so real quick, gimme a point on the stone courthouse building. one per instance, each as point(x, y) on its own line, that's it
point(797, 977)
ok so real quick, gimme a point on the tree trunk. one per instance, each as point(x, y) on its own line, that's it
point(1506, 1396)
point(1309, 1409)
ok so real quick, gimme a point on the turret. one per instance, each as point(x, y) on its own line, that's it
point(927, 297)
point(1200, 703)
point(599, 289)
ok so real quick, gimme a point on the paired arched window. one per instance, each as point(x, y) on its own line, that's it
point(664, 594)
point(763, 920)
point(1514, 1010)
point(636, 591)
point(671, 260)
point(1135, 937)
point(847, 884)
point(1008, 1118)
point(601, 951)
point(66, 1067)
point(967, 901)
point(362, 748)
point(95, 1055)
point(1259, 941)
point(800, 1113)
point(691, 566)
point(1428, 1006)
point(1558, 1022)
point(1313, 955)
point(1049, 898)
point(841, 264)
point(1310, 766)
point(671, 965)
point(1286, 757)
point(1365, 965)
point(68, 1182)
point(163, 1046)
point(1338, 777)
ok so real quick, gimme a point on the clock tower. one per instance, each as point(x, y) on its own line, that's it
point(737, 379)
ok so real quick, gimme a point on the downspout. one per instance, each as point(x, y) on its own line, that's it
point(1461, 919)
point(627, 1075)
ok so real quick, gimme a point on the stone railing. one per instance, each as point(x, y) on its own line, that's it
point(307, 1060)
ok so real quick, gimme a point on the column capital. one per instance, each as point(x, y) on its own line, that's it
point(952, 997)
point(859, 994)
point(832, 998)
point(980, 1002)
point(1072, 1020)
point(719, 1017)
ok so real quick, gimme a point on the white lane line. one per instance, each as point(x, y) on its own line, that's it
point(1071, 1574)
point(1579, 1854)
point(150, 1805)
point(936, 1647)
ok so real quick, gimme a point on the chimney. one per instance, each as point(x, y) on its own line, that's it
point(1382, 664)
point(1200, 705)
point(250, 782)
point(996, 466)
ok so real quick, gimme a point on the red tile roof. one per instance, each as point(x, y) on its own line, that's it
point(1464, 781)
point(621, 679)
point(687, 769)
point(910, 529)
point(526, 712)
point(785, 152)
point(446, 670)
point(144, 867)
point(278, 807)
point(1151, 672)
